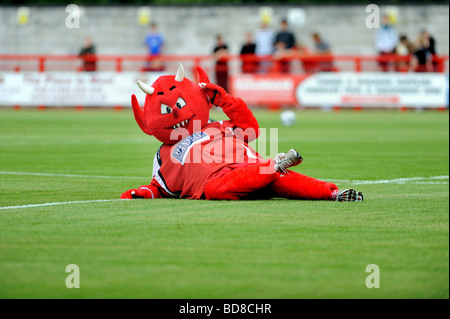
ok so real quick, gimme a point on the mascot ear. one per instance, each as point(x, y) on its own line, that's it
point(202, 76)
point(139, 115)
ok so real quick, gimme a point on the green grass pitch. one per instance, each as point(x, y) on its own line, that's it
point(170, 248)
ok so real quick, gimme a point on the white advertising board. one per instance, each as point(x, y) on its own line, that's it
point(59, 89)
point(110, 89)
point(374, 89)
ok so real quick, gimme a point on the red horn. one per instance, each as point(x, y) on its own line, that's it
point(202, 76)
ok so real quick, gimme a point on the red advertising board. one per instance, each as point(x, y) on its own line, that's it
point(264, 89)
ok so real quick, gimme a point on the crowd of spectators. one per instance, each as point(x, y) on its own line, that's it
point(266, 50)
point(418, 55)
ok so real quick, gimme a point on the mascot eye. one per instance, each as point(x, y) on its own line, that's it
point(165, 109)
point(180, 103)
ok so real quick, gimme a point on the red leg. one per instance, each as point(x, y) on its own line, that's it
point(241, 182)
point(297, 186)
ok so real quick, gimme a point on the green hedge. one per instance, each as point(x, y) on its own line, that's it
point(211, 2)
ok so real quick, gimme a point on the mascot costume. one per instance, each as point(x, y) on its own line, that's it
point(200, 159)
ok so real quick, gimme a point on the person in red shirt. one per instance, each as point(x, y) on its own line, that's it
point(203, 160)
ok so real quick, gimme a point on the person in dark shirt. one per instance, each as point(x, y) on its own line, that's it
point(431, 42)
point(422, 57)
point(284, 41)
point(285, 36)
point(249, 63)
point(431, 48)
point(220, 53)
point(87, 53)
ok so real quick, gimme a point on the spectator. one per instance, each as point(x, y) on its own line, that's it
point(422, 60)
point(220, 53)
point(322, 48)
point(431, 42)
point(403, 50)
point(249, 64)
point(386, 40)
point(282, 57)
point(264, 38)
point(285, 36)
point(87, 54)
point(154, 42)
point(431, 48)
point(284, 41)
point(404, 46)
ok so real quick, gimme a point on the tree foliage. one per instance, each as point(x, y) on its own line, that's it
point(212, 2)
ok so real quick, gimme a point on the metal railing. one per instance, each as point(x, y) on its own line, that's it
point(234, 64)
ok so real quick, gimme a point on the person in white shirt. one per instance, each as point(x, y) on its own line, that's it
point(264, 38)
point(386, 40)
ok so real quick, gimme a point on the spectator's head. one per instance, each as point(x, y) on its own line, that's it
point(423, 41)
point(424, 33)
point(316, 37)
point(386, 20)
point(153, 27)
point(280, 45)
point(248, 37)
point(87, 42)
point(284, 25)
point(219, 39)
point(404, 39)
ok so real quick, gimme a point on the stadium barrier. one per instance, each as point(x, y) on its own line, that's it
point(271, 81)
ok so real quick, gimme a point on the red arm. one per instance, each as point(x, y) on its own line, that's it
point(236, 110)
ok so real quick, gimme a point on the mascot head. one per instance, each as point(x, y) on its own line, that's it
point(173, 104)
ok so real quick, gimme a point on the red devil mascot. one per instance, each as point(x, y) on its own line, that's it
point(203, 160)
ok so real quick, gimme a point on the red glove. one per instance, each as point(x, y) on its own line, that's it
point(236, 110)
point(142, 192)
point(218, 96)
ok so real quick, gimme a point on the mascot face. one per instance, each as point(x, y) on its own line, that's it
point(172, 106)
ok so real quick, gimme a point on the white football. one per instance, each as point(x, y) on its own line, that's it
point(288, 118)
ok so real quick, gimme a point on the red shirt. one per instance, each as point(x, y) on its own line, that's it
point(183, 170)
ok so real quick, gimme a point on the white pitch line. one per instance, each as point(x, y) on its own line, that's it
point(60, 203)
point(70, 175)
point(427, 183)
point(412, 180)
